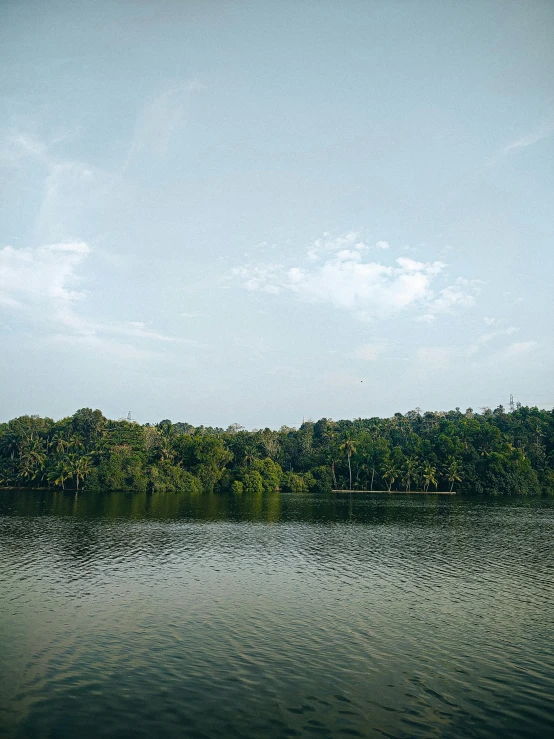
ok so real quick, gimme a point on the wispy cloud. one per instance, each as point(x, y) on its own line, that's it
point(353, 240)
point(461, 294)
point(430, 359)
point(45, 286)
point(486, 338)
point(433, 359)
point(522, 353)
point(48, 273)
point(519, 349)
point(104, 346)
point(529, 139)
point(16, 147)
point(337, 273)
point(160, 119)
point(370, 352)
point(533, 137)
point(74, 192)
point(327, 243)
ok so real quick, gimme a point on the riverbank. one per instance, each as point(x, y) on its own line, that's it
point(399, 492)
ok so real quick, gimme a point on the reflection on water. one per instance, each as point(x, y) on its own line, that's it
point(275, 616)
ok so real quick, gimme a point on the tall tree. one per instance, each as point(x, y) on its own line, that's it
point(348, 448)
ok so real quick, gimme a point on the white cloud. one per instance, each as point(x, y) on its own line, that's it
point(264, 278)
point(351, 241)
point(490, 321)
point(41, 284)
point(48, 273)
point(459, 295)
point(369, 289)
point(328, 243)
point(488, 337)
point(426, 318)
point(485, 338)
point(520, 349)
point(138, 329)
point(370, 352)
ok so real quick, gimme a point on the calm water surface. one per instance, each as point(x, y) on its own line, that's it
point(275, 616)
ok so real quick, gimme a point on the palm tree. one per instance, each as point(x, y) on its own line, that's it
point(330, 436)
point(372, 472)
point(429, 478)
point(331, 458)
point(75, 443)
point(390, 475)
point(248, 456)
point(349, 449)
point(60, 473)
point(9, 444)
point(166, 429)
point(60, 443)
point(364, 470)
point(410, 468)
point(453, 473)
point(82, 468)
point(32, 457)
point(166, 452)
point(78, 467)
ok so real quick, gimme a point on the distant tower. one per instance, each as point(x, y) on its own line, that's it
point(512, 404)
point(129, 416)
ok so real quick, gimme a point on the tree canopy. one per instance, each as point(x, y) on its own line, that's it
point(494, 452)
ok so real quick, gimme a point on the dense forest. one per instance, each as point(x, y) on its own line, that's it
point(495, 452)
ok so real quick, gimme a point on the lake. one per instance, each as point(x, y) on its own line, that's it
point(279, 615)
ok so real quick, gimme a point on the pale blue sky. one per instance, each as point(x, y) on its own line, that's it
point(256, 212)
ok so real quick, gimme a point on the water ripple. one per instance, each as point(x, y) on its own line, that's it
point(275, 616)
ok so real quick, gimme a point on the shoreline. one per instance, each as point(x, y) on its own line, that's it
point(398, 492)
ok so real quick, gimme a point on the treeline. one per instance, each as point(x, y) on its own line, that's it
point(496, 452)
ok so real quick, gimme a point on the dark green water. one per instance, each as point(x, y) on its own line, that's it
point(275, 616)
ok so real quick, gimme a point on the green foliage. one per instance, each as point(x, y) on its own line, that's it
point(494, 453)
point(204, 455)
point(169, 478)
point(119, 471)
point(270, 473)
point(298, 483)
point(323, 479)
point(252, 482)
point(237, 487)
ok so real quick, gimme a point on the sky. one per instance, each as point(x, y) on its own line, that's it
point(264, 212)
